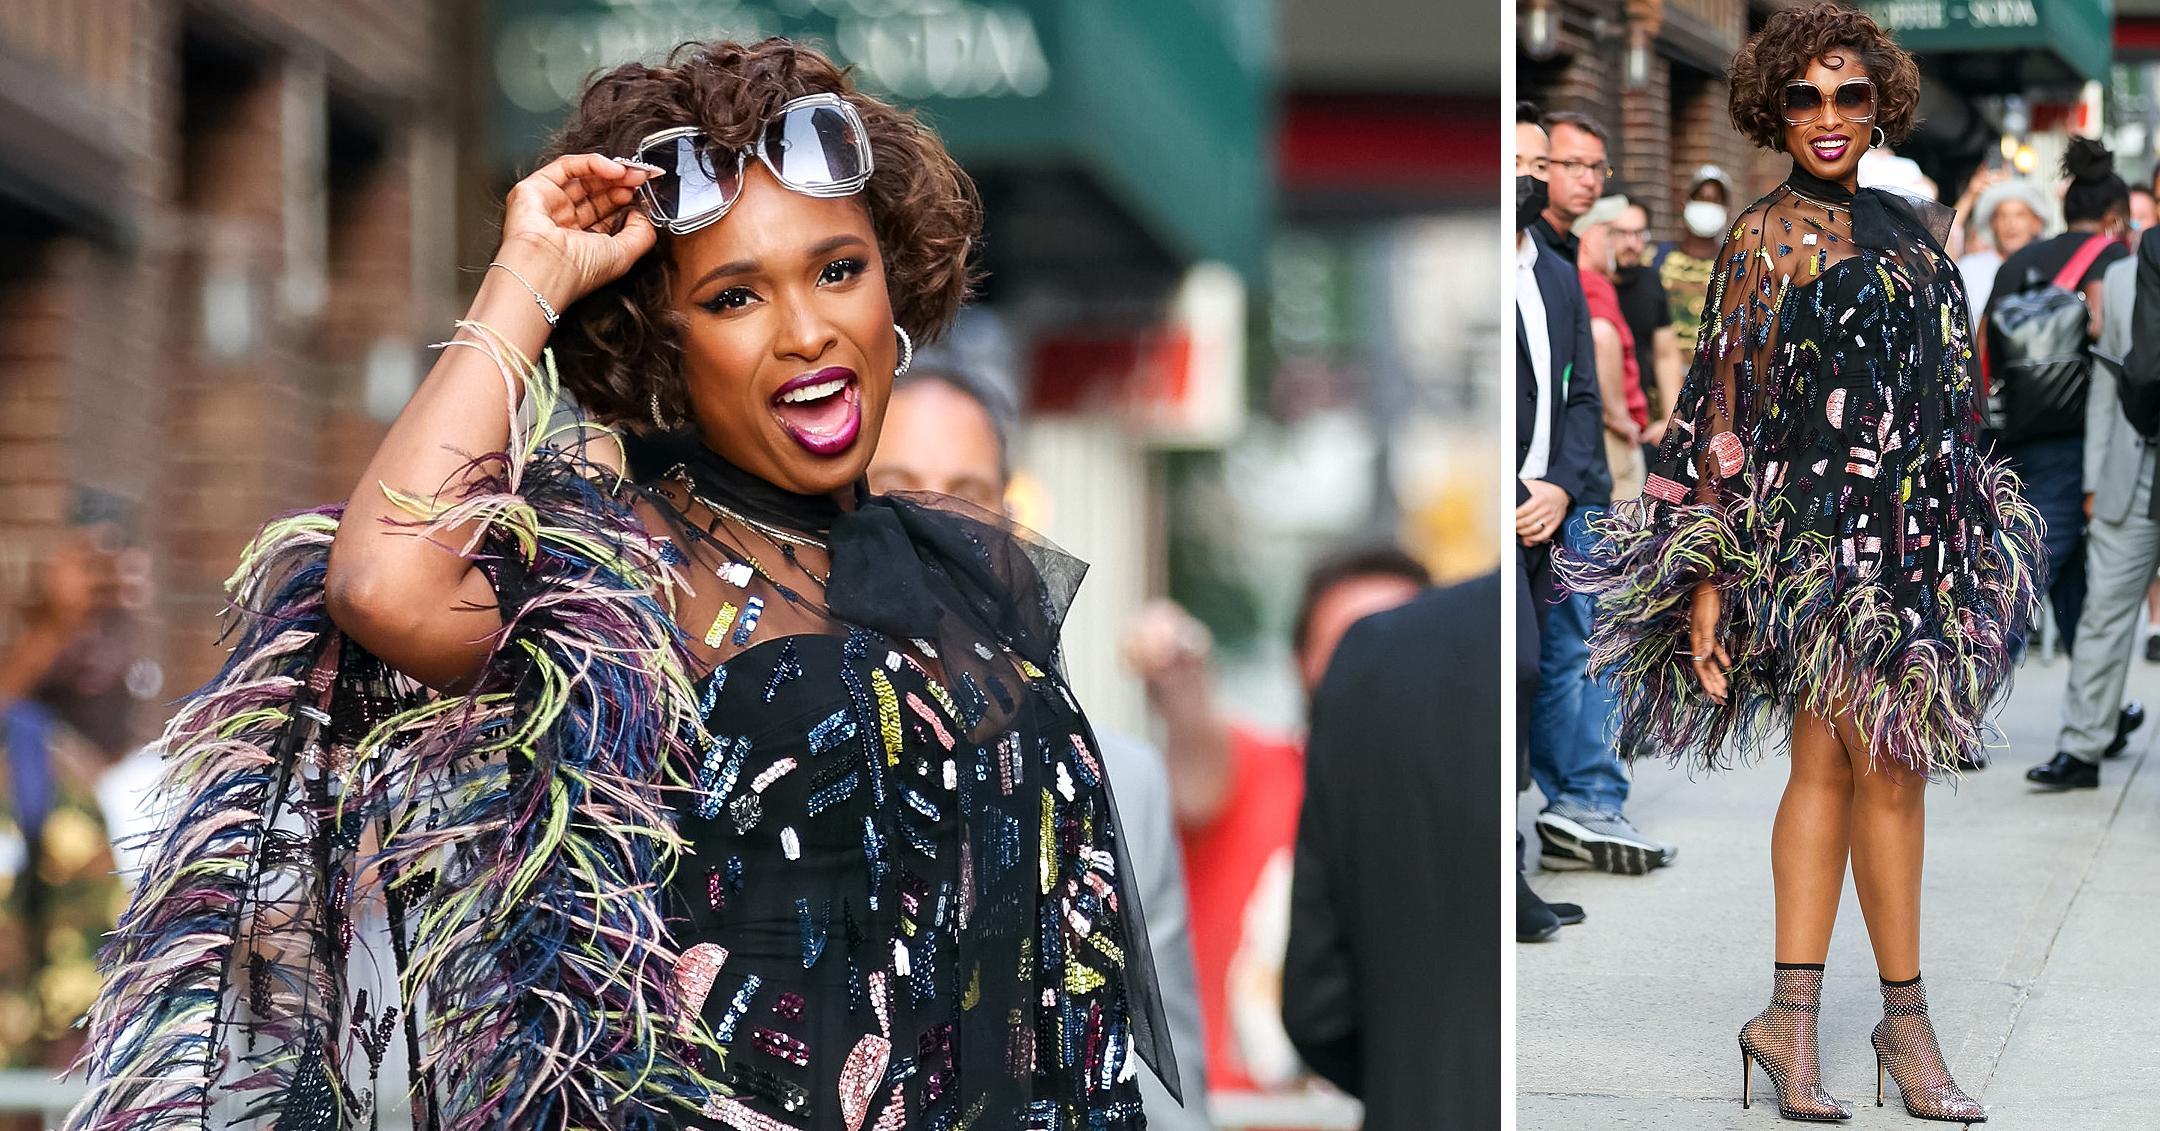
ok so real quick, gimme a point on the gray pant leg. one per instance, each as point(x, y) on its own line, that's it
point(2119, 562)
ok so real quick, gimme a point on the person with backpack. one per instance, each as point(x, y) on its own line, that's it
point(2123, 540)
point(2045, 309)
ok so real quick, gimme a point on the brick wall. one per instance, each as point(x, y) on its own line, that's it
point(110, 376)
point(1664, 130)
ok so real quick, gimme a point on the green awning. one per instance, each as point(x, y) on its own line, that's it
point(1162, 102)
point(2005, 46)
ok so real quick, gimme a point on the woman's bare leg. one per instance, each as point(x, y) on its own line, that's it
point(1808, 844)
point(1889, 833)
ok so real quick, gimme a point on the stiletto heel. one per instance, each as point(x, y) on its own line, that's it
point(1878, 1079)
point(1905, 1046)
point(1782, 1040)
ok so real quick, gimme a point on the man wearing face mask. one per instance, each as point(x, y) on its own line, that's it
point(1684, 267)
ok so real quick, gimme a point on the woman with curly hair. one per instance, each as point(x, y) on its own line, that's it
point(700, 788)
point(1822, 555)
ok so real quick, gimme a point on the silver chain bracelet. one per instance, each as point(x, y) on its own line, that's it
point(546, 311)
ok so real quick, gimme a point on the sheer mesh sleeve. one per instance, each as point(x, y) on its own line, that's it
point(1778, 243)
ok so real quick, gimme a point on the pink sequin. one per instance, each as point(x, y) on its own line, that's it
point(894, 1117)
point(877, 1001)
point(860, 1077)
point(1667, 490)
point(736, 1114)
point(937, 727)
point(1725, 448)
point(694, 974)
point(1834, 408)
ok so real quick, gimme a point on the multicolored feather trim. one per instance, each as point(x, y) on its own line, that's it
point(1801, 632)
point(508, 844)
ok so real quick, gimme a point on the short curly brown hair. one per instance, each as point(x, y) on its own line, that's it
point(1792, 39)
point(618, 346)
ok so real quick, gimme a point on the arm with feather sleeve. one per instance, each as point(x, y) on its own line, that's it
point(514, 836)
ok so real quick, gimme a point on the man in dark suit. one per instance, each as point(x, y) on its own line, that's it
point(1391, 980)
point(1559, 442)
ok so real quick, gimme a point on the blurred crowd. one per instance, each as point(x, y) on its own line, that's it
point(1609, 314)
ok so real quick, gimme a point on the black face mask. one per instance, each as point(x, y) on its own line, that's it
point(1530, 199)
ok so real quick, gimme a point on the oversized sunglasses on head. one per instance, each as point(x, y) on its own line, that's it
point(1855, 99)
point(815, 145)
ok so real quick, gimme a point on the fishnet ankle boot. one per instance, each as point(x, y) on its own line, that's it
point(1905, 1047)
point(1782, 1040)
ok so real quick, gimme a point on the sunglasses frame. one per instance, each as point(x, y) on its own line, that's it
point(684, 225)
point(1829, 98)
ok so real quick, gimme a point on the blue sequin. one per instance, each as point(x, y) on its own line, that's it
point(836, 729)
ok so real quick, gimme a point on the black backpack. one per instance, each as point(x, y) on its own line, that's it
point(2041, 361)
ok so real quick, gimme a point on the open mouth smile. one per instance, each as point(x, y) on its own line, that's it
point(821, 411)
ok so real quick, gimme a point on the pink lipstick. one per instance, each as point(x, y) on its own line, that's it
point(821, 411)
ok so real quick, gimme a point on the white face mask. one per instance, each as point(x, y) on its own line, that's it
point(1704, 218)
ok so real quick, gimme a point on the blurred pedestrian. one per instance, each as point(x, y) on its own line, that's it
point(2041, 384)
point(2123, 540)
point(1584, 823)
point(1559, 458)
point(1649, 318)
point(1391, 989)
point(58, 894)
point(948, 429)
point(1684, 267)
point(1237, 790)
point(1767, 579)
point(1620, 385)
point(2012, 212)
point(2141, 207)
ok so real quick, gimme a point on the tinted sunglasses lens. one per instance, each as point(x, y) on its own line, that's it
point(699, 179)
point(1856, 100)
point(1803, 102)
point(817, 147)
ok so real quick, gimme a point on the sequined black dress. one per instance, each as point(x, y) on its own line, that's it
point(1823, 472)
point(902, 899)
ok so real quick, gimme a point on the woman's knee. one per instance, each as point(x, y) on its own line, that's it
point(1890, 786)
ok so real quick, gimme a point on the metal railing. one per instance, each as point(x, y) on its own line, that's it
point(39, 1093)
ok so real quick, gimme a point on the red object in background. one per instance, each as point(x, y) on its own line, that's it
point(2074, 117)
point(1081, 371)
point(1390, 142)
point(1226, 863)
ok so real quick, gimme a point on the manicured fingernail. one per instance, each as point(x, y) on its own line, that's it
point(648, 166)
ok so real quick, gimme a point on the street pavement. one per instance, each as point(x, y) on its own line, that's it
point(2040, 942)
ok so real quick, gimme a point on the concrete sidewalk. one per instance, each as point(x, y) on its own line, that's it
point(2040, 943)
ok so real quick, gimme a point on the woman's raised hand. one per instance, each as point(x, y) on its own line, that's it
point(573, 226)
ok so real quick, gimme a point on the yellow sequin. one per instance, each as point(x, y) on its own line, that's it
point(888, 714)
point(1081, 979)
point(721, 622)
point(1049, 842)
point(944, 701)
